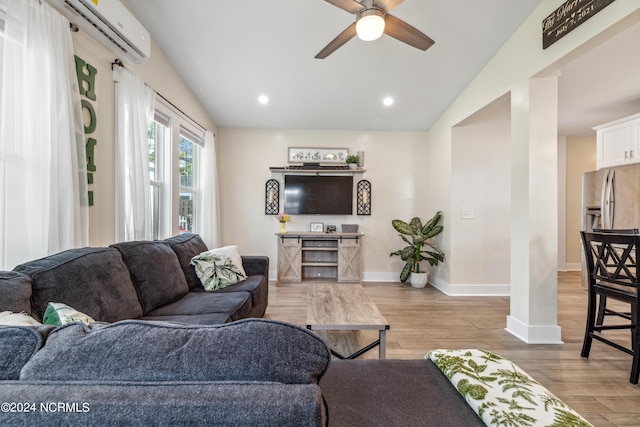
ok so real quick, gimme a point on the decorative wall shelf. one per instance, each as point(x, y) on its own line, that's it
point(316, 170)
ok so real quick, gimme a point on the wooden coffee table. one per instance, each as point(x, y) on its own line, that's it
point(345, 307)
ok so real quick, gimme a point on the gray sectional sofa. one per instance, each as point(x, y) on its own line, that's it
point(150, 280)
point(165, 352)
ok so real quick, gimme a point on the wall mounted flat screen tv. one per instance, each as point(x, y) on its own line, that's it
point(318, 194)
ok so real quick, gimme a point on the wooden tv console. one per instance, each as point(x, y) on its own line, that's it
point(319, 256)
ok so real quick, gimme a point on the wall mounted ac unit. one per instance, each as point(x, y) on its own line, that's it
point(109, 22)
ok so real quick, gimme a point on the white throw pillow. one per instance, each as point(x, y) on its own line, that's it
point(233, 253)
point(17, 319)
point(215, 271)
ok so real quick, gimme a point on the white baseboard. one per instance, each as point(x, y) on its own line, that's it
point(366, 277)
point(380, 276)
point(573, 266)
point(484, 290)
point(534, 334)
point(446, 288)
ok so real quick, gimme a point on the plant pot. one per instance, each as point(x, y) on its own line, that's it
point(419, 280)
point(353, 165)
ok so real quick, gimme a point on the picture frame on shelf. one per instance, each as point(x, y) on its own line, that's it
point(317, 227)
point(317, 155)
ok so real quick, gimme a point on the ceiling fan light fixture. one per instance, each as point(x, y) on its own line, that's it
point(370, 24)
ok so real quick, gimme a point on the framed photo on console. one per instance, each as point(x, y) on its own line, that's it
point(317, 227)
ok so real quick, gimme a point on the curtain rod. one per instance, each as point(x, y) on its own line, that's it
point(119, 63)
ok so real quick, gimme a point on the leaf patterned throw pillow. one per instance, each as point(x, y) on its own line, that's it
point(58, 314)
point(216, 271)
point(501, 393)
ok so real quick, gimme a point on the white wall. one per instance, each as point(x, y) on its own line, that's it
point(481, 184)
point(581, 157)
point(511, 68)
point(394, 164)
point(160, 74)
point(529, 74)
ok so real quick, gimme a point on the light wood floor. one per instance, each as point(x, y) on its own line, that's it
point(424, 319)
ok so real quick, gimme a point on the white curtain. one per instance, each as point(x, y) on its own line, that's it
point(209, 208)
point(135, 105)
point(43, 181)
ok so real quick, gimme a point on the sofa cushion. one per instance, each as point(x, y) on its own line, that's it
point(93, 280)
point(186, 246)
point(237, 305)
point(18, 344)
point(192, 319)
point(247, 350)
point(258, 287)
point(15, 289)
point(155, 271)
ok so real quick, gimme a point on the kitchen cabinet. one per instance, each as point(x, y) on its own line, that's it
point(617, 142)
point(319, 256)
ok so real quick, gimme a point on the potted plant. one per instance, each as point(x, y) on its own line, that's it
point(419, 248)
point(353, 160)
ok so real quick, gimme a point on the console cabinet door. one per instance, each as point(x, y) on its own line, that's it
point(349, 260)
point(289, 260)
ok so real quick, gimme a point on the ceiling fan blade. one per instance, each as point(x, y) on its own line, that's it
point(351, 6)
point(336, 43)
point(400, 30)
point(387, 5)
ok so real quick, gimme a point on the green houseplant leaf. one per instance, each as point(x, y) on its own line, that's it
point(419, 248)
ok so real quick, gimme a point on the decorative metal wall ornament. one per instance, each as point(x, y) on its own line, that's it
point(272, 197)
point(364, 197)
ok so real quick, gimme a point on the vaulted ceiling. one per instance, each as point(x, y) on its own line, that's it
point(231, 52)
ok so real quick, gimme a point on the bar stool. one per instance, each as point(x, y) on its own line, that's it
point(613, 268)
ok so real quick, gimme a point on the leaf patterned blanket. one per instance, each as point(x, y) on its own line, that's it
point(501, 393)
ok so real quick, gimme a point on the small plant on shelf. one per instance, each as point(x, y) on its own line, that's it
point(353, 160)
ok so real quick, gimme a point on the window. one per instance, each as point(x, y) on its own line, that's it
point(158, 134)
point(3, 20)
point(174, 147)
point(188, 186)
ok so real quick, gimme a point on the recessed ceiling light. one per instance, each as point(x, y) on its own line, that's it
point(388, 101)
point(263, 99)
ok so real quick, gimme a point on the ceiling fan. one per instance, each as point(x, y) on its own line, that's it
point(373, 20)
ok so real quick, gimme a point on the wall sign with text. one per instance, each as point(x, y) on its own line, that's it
point(87, 83)
point(568, 17)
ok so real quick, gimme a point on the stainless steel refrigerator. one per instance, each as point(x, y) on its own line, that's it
point(610, 199)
